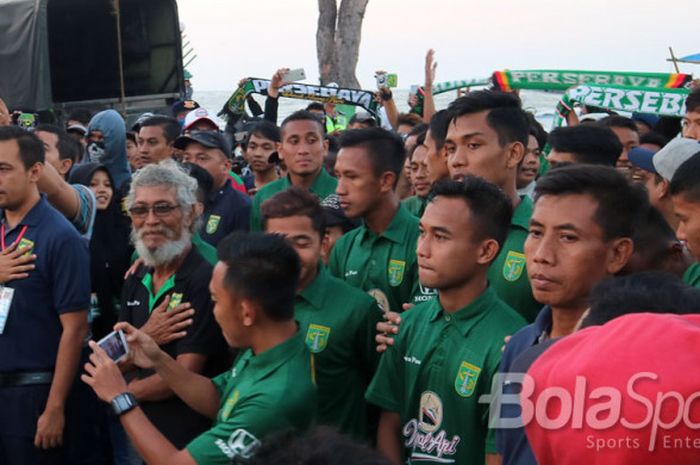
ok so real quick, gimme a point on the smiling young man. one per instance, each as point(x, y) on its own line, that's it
point(336, 319)
point(156, 137)
point(302, 149)
point(580, 233)
point(258, 147)
point(429, 381)
point(378, 257)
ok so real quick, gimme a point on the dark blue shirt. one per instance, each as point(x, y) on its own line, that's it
point(512, 443)
point(227, 210)
point(59, 284)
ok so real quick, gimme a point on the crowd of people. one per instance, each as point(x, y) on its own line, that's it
point(453, 286)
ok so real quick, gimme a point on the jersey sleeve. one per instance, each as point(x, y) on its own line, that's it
point(255, 221)
point(70, 274)
point(386, 388)
point(84, 220)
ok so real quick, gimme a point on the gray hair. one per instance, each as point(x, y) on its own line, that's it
point(166, 173)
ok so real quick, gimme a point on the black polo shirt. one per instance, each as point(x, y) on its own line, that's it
point(172, 417)
point(59, 284)
point(227, 210)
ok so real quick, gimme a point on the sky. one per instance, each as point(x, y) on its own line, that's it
point(235, 39)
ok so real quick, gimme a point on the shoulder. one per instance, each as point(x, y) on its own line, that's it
point(343, 294)
point(236, 198)
point(57, 227)
point(270, 189)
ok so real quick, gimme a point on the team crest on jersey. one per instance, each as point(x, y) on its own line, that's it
point(24, 242)
point(380, 298)
point(513, 266)
point(213, 223)
point(317, 338)
point(396, 271)
point(175, 300)
point(465, 382)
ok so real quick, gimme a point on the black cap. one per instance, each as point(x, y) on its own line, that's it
point(209, 139)
point(335, 216)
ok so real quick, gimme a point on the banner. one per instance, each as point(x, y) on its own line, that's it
point(323, 94)
point(565, 79)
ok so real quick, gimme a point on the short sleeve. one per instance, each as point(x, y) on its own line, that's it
point(220, 381)
point(386, 388)
point(70, 280)
point(84, 220)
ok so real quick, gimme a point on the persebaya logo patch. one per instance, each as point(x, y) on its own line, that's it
point(513, 266)
point(175, 300)
point(317, 338)
point(465, 382)
point(213, 223)
point(26, 243)
point(396, 271)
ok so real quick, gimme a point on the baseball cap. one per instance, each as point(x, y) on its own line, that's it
point(209, 139)
point(617, 417)
point(672, 155)
point(642, 158)
point(77, 128)
point(363, 117)
point(198, 115)
point(334, 215)
point(649, 119)
point(184, 105)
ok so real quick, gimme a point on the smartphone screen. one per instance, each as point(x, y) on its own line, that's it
point(115, 345)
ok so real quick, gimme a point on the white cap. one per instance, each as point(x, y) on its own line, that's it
point(198, 115)
point(672, 155)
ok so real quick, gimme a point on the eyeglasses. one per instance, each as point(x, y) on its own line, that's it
point(161, 210)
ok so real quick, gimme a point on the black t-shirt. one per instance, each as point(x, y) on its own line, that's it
point(172, 417)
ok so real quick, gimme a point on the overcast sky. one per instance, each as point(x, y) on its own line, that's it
point(235, 38)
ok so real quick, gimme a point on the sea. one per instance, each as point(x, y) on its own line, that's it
point(542, 104)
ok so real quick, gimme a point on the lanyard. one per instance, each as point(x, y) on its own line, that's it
point(2, 235)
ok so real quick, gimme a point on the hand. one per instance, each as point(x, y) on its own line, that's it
point(412, 100)
point(103, 375)
point(166, 325)
point(49, 428)
point(430, 68)
point(5, 117)
point(242, 82)
point(143, 351)
point(14, 264)
point(134, 266)
point(273, 90)
point(505, 342)
point(386, 330)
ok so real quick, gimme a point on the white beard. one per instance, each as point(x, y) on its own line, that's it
point(164, 254)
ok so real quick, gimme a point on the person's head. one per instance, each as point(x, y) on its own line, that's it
point(253, 285)
point(436, 158)
point(652, 140)
point(210, 151)
point(461, 232)
point(418, 168)
point(362, 120)
point(79, 116)
point(103, 188)
point(691, 119)
point(132, 151)
point(487, 137)
point(368, 167)
point(156, 137)
point(581, 231)
point(296, 214)
point(644, 173)
point(61, 150)
point(181, 108)
point(337, 224)
point(302, 145)
point(21, 164)
point(260, 144)
point(405, 122)
point(584, 144)
point(411, 138)
point(162, 204)
point(200, 120)
point(685, 195)
point(645, 122)
point(317, 109)
point(530, 165)
point(627, 133)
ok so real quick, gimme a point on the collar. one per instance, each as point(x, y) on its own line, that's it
point(466, 317)
point(397, 230)
point(265, 363)
point(542, 324)
point(523, 213)
point(33, 216)
point(319, 184)
point(315, 292)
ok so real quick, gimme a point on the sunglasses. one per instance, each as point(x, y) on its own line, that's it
point(161, 210)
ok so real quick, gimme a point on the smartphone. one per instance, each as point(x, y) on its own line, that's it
point(294, 75)
point(414, 90)
point(392, 80)
point(115, 345)
point(381, 80)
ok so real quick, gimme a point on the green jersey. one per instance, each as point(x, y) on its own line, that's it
point(323, 186)
point(415, 205)
point(382, 265)
point(264, 393)
point(433, 375)
point(339, 325)
point(508, 274)
point(692, 275)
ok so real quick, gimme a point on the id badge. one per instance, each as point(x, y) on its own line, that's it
point(6, 296)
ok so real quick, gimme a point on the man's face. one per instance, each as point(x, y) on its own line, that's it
point(629, 140)
point(556, 158)
point(688, 214)
point(473, 149)
point(527, 172)
point(258, 153)
point(447, 255)
point(227, 309)
point(212, 160)
point(691, 125)
point(333, 233)
point(299, 232)
point(303, 147)
point(15, 180)
point(132, 154)
point(153, 146)
point(154, 230)
point(359, 189)
point(436, 160)
point(566, 252)
point(50, 141)
point(419, 171)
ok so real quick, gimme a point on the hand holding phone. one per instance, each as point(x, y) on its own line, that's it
point(114, 344)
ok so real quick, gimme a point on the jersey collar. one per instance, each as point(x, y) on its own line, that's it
point(466, 317)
